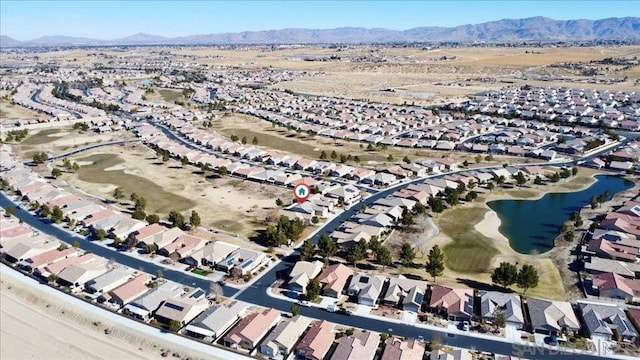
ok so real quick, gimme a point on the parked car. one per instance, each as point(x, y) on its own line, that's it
point(304, 303)
point(465, 326)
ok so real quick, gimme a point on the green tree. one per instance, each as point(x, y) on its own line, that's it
point(436, 204)
point(574, 171)
point(176, 219)
point(407, 254)
point(569, 236)
point(279, 202)
point(313, 289)
point(326, 247)
point(505, 274)
point(406, 159)
point(56, 214)
point(537, 180)
point(593, 201)
point(45, 211)
point(244, 140)
point(527, 278)
point(357, 252)
point(307, 249)
point(159, 274)
point(153, 218)
point(234, 138)
point(222, 170)
point(75, 244)
point(56, 172)
point(334, 154)
point(194, 219)
point(139, 214)
point(520, 179)
point(499, 318)
point(75, 167)
point(435, 262)
point(118, 193)
point(295, 310)
point(323, 155)
point(383, 256)
point(390, 157)
point(174, 325)
point(9, 211)
point(184, 160)
point(100, 234)
point(254, 141)
point(374, 243)
point(141, 203)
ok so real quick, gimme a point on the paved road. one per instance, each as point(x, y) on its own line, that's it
point(256, 292)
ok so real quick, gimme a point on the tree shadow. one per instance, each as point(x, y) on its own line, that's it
point(482, 286)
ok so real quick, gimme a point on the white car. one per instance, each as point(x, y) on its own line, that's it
point(304, 303)
point(465, 326)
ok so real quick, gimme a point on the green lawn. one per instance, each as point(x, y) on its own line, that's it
point(158, 200)
point(470, 251)
point(201, 272)
point(42, 137)
point(170, 95)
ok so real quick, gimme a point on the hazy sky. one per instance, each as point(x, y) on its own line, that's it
point(26, 20)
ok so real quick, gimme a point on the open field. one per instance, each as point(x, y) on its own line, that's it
point(106, 169)
point(418, 74)
point(470, 251)
point(227, 203)
point(10, 112)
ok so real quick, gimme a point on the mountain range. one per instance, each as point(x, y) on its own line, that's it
point(506, 30)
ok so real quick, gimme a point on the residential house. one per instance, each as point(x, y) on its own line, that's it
point(454, 354)
point(605, 322)
point(145, 306)
point(315, 344)
point(492, 301)
point(242, 260)
point(182, 309)
point(397, 349)
point(301, 273)
point(110, 280)
point(362, 346)
point(210, 254)
point(215, 321)
point(251, 329)
point(408, 294)
point(280, 342)
point(77, 275)
point(124, 294)
point(182, 246)
point(552, 317)
point(366, 287)
point(455, 303)
point(614, 286)
point(334, 278)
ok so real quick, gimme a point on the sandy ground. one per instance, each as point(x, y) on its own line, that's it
point(35, 325)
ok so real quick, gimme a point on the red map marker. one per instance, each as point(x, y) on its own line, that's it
point(301, 192)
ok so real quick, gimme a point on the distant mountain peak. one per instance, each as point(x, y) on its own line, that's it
point(537, 28)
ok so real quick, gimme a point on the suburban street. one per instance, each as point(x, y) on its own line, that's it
point(256, 291)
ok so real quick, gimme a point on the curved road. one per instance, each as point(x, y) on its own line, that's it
point(255, 293)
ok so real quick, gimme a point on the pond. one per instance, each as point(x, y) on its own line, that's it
point(532, 225)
